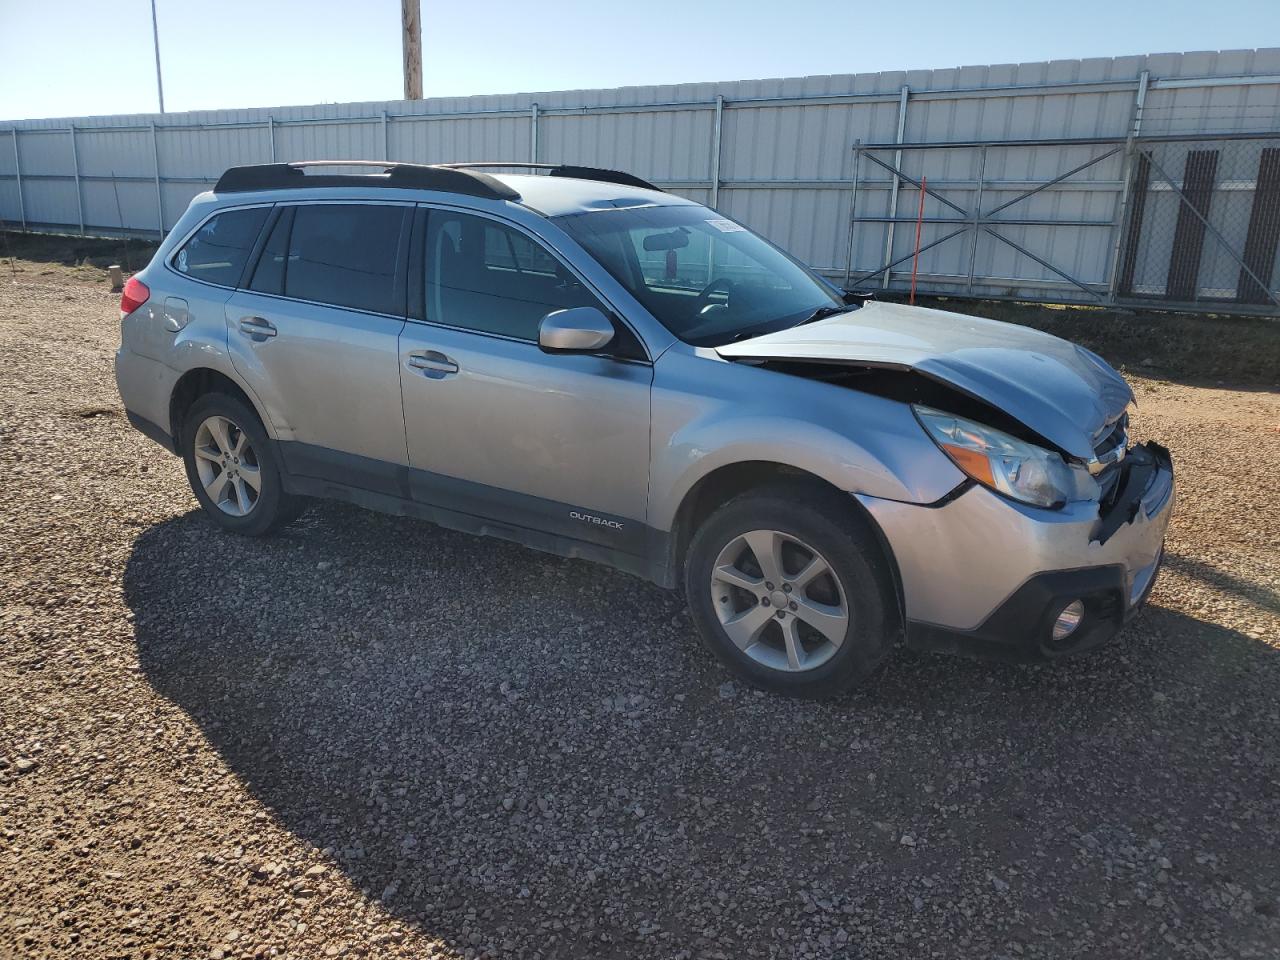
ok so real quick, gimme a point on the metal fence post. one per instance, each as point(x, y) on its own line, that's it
point(716, 139)
point(75, 165)
point(386, 143)
point(853, 210)
point(1121, 218)
point(893, 190)
point(155, 162)
point(271, 135)
point(533, 133)
point(17, 170)
point(977, 216)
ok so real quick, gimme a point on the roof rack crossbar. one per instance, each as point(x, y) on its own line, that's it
point(563, 170)
point(282, 176)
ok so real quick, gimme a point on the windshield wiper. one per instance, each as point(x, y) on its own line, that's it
point(822, 313)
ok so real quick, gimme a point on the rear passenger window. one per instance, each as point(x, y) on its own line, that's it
point(345, 255)
point(220, 248)
point(487, 277)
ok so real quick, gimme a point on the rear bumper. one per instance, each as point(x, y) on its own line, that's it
point(985, 576)
point(152, 430)
point(145, 387)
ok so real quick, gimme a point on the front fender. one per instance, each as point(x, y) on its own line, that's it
point(710, 413)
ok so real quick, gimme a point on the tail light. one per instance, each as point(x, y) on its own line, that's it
point(135, 295)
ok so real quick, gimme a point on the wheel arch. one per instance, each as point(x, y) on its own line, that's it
point(195, 384)
point(729, 481)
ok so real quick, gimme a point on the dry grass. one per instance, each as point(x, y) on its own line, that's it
point(1206, 349)
point(74, 251)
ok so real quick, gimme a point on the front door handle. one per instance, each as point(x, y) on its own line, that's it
point(433, 363)
point(257, 328)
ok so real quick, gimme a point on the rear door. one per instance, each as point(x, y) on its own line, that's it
point(315, 334)
point(498, 429)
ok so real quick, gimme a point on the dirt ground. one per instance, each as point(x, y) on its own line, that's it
point(370, 737)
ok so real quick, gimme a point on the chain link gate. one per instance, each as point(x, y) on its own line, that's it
point(1189, 223)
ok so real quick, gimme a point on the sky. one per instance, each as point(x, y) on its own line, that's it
point(63, 58)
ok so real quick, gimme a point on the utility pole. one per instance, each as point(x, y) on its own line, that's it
point(411, 42)
point(155, 39)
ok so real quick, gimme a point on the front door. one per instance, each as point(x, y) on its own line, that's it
point(498, 429)
point(316, 333)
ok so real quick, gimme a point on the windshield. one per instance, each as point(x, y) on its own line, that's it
point(706, 279)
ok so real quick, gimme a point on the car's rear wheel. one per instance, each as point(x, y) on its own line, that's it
point(790, 589)
point(232, 467)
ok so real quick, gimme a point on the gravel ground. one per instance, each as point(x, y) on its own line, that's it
point(372, 737)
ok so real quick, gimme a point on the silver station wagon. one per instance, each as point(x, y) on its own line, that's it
point(577, 361)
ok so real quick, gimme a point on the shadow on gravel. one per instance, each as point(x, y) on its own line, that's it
point(507, 749)
point(1256, 593)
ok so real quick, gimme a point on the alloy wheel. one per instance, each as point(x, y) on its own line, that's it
point(779, 601)
point(228, 466)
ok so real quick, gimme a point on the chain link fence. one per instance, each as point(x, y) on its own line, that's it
point(1202, 228)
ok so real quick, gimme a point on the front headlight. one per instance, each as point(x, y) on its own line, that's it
point(1017, 469)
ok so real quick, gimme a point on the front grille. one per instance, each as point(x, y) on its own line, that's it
point(1109, 487)
point(1108, 461)
point(1117, 436)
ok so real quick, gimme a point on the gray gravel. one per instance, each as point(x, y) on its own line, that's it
point(372, 737)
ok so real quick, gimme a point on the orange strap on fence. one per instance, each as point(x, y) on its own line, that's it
point(915, 260)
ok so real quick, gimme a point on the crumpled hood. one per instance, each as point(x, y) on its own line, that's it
point(1064, 392)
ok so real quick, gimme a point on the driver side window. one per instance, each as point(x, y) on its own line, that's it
point(484, 276)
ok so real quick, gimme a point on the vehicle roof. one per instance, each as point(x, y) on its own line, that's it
point(564, 190)
point(558, 196)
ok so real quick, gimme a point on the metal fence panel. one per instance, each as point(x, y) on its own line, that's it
point(440, 141)
point(205, 152)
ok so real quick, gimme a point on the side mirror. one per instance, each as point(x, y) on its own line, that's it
point(856, 298)
point(575, 330)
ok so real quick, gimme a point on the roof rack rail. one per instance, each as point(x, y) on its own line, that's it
point(283, 176)
point(565, 170)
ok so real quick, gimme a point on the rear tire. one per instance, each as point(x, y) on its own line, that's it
point(790, 589)
point(233, 468)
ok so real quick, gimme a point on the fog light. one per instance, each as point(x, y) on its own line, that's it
point(1068, 620)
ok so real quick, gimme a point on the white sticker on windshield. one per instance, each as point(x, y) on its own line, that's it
point(727, 226)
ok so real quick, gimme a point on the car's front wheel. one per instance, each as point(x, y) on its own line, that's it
point(790, 589)
point(231, 465)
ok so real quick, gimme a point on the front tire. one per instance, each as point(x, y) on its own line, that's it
point(790, 589)
point(233, 469)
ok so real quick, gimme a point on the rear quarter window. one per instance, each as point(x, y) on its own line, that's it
point(221, 247)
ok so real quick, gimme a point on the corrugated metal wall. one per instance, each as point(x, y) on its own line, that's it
point(776, 154)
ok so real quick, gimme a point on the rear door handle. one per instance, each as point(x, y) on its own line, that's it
point(433, 363)
point(257, 328)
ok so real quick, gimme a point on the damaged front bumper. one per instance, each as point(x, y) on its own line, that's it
point(984, 575)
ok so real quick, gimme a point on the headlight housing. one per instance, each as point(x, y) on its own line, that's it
point(1019, 470)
